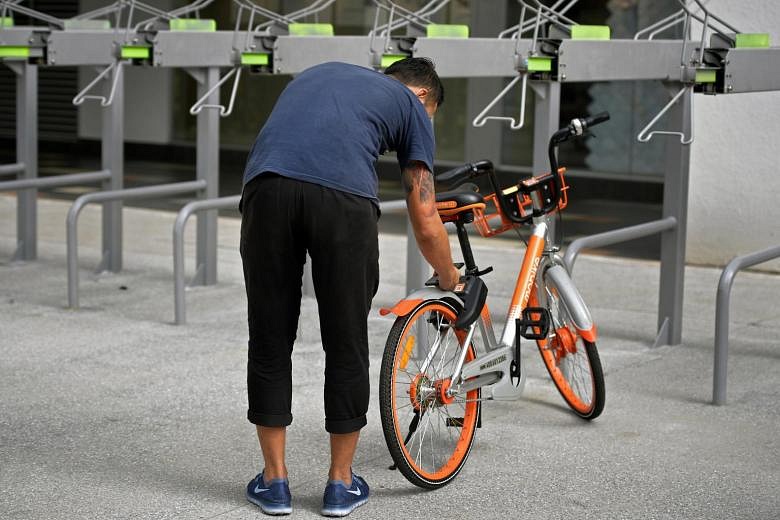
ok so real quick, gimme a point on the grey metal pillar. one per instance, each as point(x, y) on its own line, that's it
point(483, 142)
point(207, 168)
point(417, 268)
point(547, 113)
point(27, 153)
point(678, 158)
point(113, 159)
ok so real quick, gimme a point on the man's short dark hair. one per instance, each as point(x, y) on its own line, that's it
point(418, 72)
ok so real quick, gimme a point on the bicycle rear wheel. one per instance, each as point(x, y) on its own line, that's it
point(429, 433)
point(572, 361)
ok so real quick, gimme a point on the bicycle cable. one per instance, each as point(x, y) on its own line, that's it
point(520, 235)
point(559, 228)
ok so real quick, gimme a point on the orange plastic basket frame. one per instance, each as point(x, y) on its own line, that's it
point(490, 223)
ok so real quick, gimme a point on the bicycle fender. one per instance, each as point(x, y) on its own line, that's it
point(573, 301)
point(408, 304)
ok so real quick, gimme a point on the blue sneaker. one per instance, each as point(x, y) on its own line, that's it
point(272, 497)
point(340, 500)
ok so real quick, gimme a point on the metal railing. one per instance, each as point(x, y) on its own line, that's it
point(12, 169)
point(56, 181)
point(178, 246)
point(616, 236)
point(104, 196)
point(722, 305)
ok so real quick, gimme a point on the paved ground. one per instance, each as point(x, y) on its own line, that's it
point(110, 411)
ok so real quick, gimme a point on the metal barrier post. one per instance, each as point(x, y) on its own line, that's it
point(113, 160)
point(208, 170)
point(720, 362)
point(180, 308)
point(26, 153)
point(678, 156)
point(71, 223)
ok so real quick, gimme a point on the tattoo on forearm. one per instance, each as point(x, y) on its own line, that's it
point(417, 177)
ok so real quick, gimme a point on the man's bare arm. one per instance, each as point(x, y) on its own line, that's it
point(428, 228)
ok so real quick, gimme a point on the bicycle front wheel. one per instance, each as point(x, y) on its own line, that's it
point(428, 432)
point(573, 362)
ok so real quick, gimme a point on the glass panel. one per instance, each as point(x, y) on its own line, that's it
point(517, 146)
point(450, 121)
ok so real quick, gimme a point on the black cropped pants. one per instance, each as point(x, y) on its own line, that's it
point(282, 219)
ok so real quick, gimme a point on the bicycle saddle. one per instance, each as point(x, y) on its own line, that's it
point(450, 203)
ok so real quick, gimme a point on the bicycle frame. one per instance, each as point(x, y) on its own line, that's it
point(493, 366)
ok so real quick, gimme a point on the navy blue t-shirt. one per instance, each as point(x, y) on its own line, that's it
point(333, 121)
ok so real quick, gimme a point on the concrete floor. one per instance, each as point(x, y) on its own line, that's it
point(111, 411)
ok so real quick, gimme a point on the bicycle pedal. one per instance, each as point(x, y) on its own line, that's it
point(534, 323)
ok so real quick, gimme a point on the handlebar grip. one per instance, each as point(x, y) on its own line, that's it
point(466, 171)
point(591, 121)
point(482, 166)
point(450, 175)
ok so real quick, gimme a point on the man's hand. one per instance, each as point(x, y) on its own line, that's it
point(448, 280)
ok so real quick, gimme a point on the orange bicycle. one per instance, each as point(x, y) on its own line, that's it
point(434, 368)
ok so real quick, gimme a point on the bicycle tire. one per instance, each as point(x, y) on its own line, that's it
point(445, 429)
point(572, 362)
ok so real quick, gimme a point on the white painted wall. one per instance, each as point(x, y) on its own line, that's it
point(148, 97)
point(734, 205)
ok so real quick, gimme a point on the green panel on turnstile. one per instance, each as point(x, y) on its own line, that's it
point(13, 51)
point(539, 64)
point(590, 32)
point(752, 40)
point(389, 59)
point(438, 30)
point(310, 29)
point(254, 58)
point(193, 24)
point(705, 76)
point(135, 52)
point(6, 21)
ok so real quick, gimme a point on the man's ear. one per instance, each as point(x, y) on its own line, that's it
point(422, 94)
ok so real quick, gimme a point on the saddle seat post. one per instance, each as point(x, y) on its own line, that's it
point(465, 245)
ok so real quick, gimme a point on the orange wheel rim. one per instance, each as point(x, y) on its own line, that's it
point(561, 347)
point(463, 442)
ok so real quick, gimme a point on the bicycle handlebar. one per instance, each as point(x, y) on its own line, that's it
point(576, 128)
point(599, 118)
point(467, 171)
